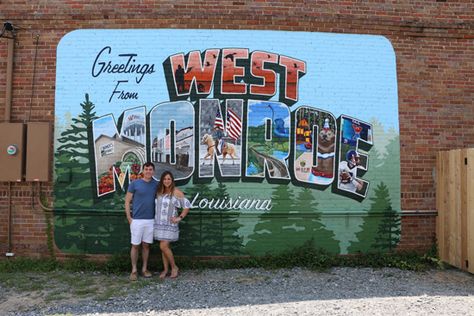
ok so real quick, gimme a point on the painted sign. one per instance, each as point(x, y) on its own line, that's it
point(277, 138)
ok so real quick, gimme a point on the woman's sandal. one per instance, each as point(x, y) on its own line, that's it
point(163, 274)
point(174, 273)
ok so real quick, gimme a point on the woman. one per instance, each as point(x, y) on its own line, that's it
point(168, 200)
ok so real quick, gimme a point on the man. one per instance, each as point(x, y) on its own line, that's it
point(218, 134)
point(141, 193)
point(347, 172)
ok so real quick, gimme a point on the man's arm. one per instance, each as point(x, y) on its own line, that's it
point(128, 200)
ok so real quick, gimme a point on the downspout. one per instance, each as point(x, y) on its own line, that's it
point(8, 106)
point(9, 228)
point(9, 84)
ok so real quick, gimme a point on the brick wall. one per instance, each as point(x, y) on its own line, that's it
point(433, 42)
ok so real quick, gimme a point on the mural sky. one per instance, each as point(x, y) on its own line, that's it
point(343, 71)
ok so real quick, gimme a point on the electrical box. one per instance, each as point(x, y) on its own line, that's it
point(11, 151)
point(38, 150)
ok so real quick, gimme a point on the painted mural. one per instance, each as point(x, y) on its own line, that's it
point(277, 138)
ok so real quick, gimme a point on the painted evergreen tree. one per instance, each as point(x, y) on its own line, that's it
point(388, 235)
point(313, 228)
point(370, 227)
point(73, 190)
point(268, 233)
point(231, 242)
point(72, 186)
point(392, 167)
point(100, 233)
point(199, 232)
point(211, 226)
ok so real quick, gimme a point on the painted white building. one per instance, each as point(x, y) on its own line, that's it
point(161, 148)
point(134, 128)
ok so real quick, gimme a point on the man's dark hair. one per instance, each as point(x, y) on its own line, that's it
point(149, 164)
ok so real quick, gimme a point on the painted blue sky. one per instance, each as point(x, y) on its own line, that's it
point(346, 73)
point(259, 112)
point(160, 116)
point(104, 126)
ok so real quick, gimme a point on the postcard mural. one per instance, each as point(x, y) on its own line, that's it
point(278, 139)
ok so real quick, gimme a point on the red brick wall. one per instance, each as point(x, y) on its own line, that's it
point(433, 42)
point(418, 232)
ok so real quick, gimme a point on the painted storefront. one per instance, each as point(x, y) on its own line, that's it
point(277, 138)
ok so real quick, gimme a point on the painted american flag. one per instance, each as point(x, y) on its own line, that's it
point(218, 122)
point(234, 125)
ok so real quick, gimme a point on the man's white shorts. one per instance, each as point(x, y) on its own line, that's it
point(142, 231)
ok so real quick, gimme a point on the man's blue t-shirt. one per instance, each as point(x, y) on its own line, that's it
point(143, 202)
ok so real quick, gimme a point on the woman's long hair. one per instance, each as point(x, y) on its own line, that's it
point(161, 186)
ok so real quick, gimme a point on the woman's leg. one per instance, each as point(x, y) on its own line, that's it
point(165, 248)
point(165, 265)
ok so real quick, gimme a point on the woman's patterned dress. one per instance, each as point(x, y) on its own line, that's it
point(166, 207)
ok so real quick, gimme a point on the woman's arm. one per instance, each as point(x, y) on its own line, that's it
point(180, 195)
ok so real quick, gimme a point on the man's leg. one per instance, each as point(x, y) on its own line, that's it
point(147, 240)
point(136, 236)
point(134, 259)
point(145, 254)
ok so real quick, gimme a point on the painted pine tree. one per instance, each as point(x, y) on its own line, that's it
point(231, 242)
point(392, 171)
point(72, 187)
point(314, 230)
point(198, 232)
point(388, 235)
point(269, 234)
point(366, 237)
point(93, 234)
point(211, 235)
point(73, 190)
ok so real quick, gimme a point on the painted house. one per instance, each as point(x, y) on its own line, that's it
point(113, 149)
